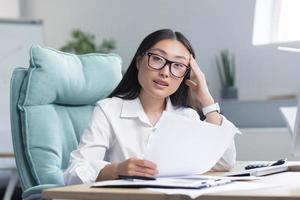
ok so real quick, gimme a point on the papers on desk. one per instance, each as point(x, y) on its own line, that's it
point(234, 186)
point(192, 185)
point(163, 183)
point(182, 146)
point(232, 178)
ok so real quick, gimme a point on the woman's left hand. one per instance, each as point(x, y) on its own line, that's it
point(202, 92)
point(200, 86)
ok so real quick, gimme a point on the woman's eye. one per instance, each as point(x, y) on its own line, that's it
point(178, 65)
point(157, 58)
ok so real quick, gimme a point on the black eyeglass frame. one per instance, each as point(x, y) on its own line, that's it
point(147, 53)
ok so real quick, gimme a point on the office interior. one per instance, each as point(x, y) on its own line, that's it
point(266, 78)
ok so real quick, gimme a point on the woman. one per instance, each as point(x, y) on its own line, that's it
point(122, 125)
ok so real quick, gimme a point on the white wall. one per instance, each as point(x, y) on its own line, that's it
point(9, 9)
point(209, 24)
point(264, 144)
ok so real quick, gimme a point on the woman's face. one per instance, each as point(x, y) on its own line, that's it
point(161, 83)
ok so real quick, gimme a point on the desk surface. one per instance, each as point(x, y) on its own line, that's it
point(7, 154)
point(290, 190)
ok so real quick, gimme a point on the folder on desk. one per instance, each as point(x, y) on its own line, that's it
point(172, 183)
point(262, 171)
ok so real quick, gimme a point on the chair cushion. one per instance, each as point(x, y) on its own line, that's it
point(56, 101)
point(26, 179)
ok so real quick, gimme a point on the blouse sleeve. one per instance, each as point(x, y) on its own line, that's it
point(228, 160)
point(88, 159)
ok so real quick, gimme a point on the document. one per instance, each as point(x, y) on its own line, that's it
point(232, 178)
point(234, 186)
point(182, 146)
point(289, 115)
point(172, 183)
point(292, 118)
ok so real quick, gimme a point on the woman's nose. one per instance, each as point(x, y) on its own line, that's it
point(165, 71)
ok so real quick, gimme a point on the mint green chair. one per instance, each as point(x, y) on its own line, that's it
point(51, 104)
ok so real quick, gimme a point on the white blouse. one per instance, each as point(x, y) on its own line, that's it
point(119, 129)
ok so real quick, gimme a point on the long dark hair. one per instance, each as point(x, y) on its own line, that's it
point(129, 87)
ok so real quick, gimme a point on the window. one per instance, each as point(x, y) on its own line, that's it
point(276, 21)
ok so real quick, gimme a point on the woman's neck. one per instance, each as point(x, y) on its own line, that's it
point(152, 106)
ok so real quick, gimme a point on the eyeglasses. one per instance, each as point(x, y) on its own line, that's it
point(158, 62)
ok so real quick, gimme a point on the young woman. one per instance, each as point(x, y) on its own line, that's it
point(121, 125)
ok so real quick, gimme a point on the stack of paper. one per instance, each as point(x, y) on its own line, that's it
point(163, 183)
point(234, 186)
point(192, 186)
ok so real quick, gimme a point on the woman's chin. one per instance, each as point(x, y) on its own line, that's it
point(160, 94)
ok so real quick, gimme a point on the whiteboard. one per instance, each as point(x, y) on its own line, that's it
point(16, 38)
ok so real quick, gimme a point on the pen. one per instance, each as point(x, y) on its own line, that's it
point(218, 182)
point(127, 177)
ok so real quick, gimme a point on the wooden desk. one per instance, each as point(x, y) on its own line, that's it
point(290, 191)
point(7, 155)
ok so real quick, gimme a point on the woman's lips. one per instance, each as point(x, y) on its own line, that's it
point(161, 83)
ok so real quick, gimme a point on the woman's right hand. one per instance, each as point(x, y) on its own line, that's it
point(136, 167)
point(132, 167)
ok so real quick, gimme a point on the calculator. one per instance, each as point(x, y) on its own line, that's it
point(259, 165)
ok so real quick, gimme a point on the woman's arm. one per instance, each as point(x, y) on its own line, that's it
point(87, 163)
point(202, 92)
point(203, 95)
point(88, 159)
point(228, 160)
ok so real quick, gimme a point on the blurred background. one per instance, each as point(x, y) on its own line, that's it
point(235, 43)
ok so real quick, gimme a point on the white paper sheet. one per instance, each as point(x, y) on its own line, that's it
point(164, 182)
point(203, 177)
point(234, 186)
point(182, 146)
point(289, 115)
point(292, 118)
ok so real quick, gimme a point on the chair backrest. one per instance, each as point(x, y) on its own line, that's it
point(51, 104)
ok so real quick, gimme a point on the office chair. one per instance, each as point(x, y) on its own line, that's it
point(51, 104)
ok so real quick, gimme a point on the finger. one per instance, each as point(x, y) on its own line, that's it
point(135, 173)
point(192, 60)
point(145, 170)
point(146, 163)
point(191, 84)
point(195, 67)
point(191, 56)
